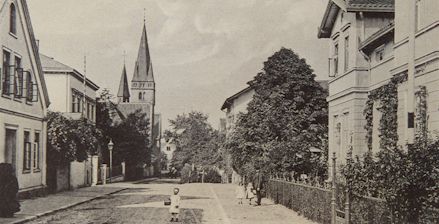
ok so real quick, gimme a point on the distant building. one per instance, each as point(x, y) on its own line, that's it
point(368, 46)
point(236, 104)
point(141, 96)
point(168, 147)
point(23, 101)
point(67, 88)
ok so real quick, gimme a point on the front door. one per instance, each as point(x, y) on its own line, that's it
point(11, 148)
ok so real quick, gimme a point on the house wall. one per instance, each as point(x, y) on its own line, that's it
point(426, 60)
point(239, 105)
point(56, 86)
point(17, 113)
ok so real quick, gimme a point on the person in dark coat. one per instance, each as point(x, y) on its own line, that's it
point(8, 191)
point(258, 184)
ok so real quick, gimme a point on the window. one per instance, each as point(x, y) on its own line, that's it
point(18, 78)
point(36, 154)
point(418, 14)
point(12, 19)
point(29, 87)
point(336, 59)
point(27, 152)
point(346, 53)
point(140, 96)
point(168, 148)
point(379, 54)
point(6, 82)
point(74, 103)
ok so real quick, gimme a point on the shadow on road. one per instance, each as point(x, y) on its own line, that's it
point(160, 181)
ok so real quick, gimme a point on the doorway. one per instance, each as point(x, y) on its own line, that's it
point(11, 148)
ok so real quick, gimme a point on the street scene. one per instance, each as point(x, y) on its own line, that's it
point(201, 111)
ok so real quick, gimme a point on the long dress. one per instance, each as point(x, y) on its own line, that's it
point(250, 191)
point(240, 192)
point(175, 204)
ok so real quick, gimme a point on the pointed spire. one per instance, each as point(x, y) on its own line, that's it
point(124, 92)
point(143, 67)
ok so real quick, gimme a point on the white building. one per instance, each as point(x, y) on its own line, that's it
point(24, 99)
point(168, 147)
point(67, 88)
point(368, 47)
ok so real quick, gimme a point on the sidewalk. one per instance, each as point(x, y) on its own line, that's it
point(37, 207)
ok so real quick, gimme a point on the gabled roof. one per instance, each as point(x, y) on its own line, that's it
point(230, 100)
point(124, 109)
point(143, 68)
point(52, 66)
point(124, 91)
point(334, 6)
point(35, 52)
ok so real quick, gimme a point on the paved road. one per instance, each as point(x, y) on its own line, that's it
point(201, 203)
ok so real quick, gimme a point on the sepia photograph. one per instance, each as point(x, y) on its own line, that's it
point(219, 111)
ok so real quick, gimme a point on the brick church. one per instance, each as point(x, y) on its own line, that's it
point(141, 96)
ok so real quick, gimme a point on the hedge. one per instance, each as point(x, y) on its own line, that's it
point(312, 202)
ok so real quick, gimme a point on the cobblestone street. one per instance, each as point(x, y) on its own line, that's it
point(201, 203)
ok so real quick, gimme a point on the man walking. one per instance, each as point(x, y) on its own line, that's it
point(258, 185)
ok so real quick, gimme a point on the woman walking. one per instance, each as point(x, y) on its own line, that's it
point(175, 205)
point(8, 191)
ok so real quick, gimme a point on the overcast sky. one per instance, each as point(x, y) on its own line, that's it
point(203, 51)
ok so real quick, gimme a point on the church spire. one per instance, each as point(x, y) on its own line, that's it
point(124, 93)
point(143, 67)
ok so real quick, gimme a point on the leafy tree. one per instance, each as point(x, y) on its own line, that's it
point(197, 143)
point(70, 140)
point(131, 142)
point(287, 116)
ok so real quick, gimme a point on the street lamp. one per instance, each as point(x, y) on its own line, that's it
point(110, 149)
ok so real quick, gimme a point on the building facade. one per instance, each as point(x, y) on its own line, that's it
point(74, 96)
point(24, 99)
point(368, 47)
point(67, 88)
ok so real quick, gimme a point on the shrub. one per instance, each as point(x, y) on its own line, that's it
point(311, 202)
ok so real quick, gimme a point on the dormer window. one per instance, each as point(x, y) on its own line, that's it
point(12, 19)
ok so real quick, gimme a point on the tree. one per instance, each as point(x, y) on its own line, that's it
point(131, 139)
point(196, 141)
point(287, 116)
point(70, 140)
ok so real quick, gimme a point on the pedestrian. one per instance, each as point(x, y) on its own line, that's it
point(258, 183)
point(240, 192)
point(8, 191)
point(175, 205)
point(249, 192)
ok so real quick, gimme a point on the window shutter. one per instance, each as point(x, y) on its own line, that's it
point(34, 92)
point(12, 79)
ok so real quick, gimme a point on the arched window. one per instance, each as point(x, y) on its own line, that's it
point(12, 20)
point(140, 96)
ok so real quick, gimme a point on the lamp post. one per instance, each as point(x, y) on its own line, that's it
point(110, 149)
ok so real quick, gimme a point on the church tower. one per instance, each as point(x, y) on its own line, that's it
point(142, 84)
point(123, 95)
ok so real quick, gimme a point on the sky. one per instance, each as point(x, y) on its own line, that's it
point(202, 51)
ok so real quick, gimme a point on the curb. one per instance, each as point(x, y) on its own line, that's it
point(31, 218)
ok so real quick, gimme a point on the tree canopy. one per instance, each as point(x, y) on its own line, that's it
point(286, 117)
point(196, 141)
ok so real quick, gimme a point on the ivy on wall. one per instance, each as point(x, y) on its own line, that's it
point(421, 113)
point(387, 96)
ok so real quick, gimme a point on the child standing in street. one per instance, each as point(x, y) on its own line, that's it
point(250, 194)
point(175, 205)
point(240, 192)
